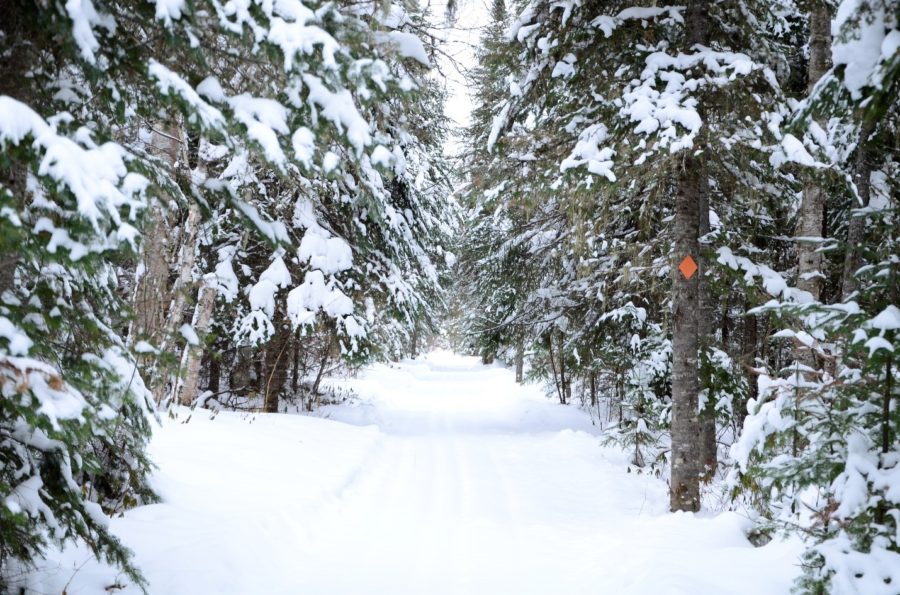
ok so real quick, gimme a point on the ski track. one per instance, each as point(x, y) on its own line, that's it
point(447, 478)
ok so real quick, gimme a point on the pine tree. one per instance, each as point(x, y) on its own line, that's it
point(820, 445)
point(598, 146)
point(143, 142)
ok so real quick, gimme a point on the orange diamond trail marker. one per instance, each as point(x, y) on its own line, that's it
point(688, 267)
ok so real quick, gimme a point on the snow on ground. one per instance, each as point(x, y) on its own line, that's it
point(447, 477)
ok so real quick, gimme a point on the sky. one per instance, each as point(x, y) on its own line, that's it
point(461, 37)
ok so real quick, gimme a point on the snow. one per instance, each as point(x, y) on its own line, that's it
point(607, 24)
point(564, 67)
point(226, 281)
point(169, 82)
point(499, 122)
point(275, 231)
point(660, 103)
point(328, 254)
point(446, 477)
point(876, 343)
point(772, 282)
point(296, 37)
point(865, 36)
point(169, 10)
point(381, 156)
point(265, 119)
point(792, 150)
point(408, 45)
point(262, 294)
point(304, 143)
point(871, 573)
point(96, 175)
point(189, 334)
point(18, 343)
point(588, 151)
point(26, 497)
point(314, 294)
point(887, 320)
point(84, 18)
point(340, 110)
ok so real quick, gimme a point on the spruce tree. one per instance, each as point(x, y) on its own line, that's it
point(143, 143)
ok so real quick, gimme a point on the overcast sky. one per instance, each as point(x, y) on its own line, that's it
point(461, 38)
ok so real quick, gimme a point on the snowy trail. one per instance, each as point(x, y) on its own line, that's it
point(448, 478)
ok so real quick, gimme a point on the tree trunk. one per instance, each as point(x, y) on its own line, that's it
point(810, 221)
point(184, 282)
point(326, 348)
point(215, 373)
point(862, 171)
point(563, 380)
point(520, 358)
point(708, 443)
point(295, 366)
point(684, 489)
point(151, 293)
point(811, 216)
point(748, 360)
point(414, 341)
point(206, 302)
point(557, 380)
point(276, 363)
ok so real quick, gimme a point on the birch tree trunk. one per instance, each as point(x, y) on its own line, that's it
point(184, 282)
point(810, 220)
point(151, 293)
point(159, 309)
point(192, 355)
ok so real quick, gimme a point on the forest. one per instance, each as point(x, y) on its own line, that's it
point(252, 222)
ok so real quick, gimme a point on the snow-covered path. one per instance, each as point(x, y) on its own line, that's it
point(447, 478)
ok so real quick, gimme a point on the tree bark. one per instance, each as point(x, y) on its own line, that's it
point(151, 293)
point(563, 379)
point(326, 349)
point(215, 373)
point(684, 489)
point(520, 358)
point(276, 363)
point(811, 217)
point(192, 356)
point(685, 486)
point(557, 377)
point(295, 366)
point(862, 171)
point(708, 442)
point(748, 360)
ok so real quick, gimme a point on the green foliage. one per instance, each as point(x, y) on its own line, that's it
point(290, 120)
